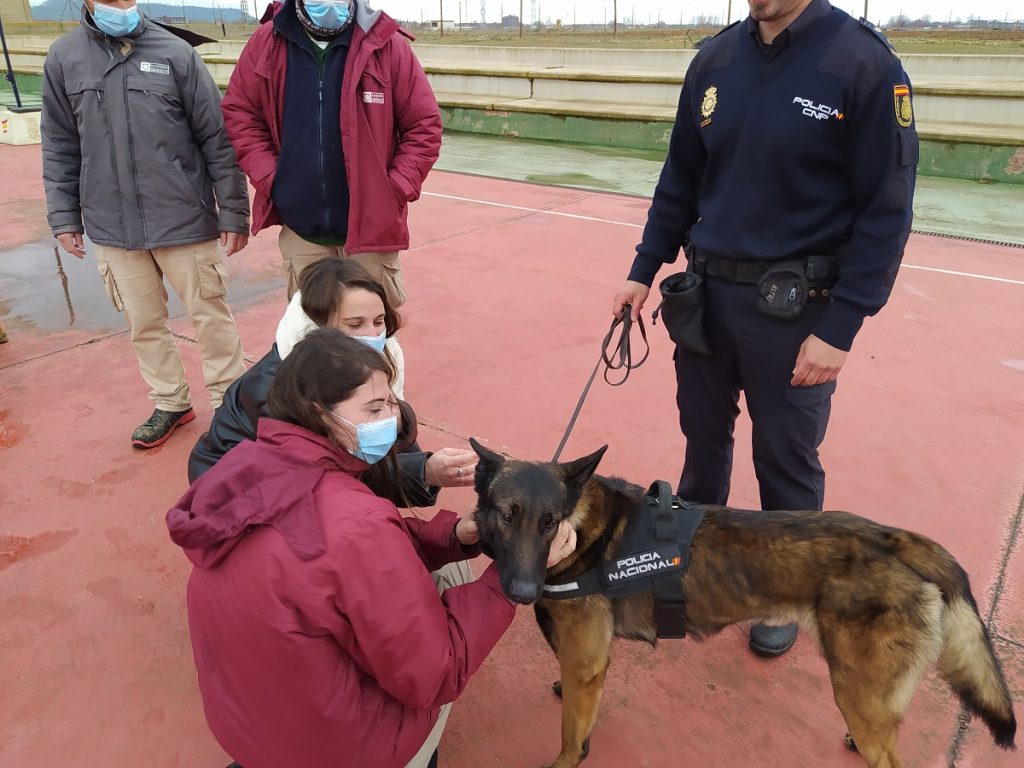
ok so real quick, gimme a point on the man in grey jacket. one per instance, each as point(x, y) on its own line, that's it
point(134, 144)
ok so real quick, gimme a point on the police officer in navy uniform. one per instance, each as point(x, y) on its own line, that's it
point(794, 143)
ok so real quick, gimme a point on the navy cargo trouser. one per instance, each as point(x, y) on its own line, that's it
point(754, 353)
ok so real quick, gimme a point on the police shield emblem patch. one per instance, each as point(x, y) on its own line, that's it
point(707, 106)
point(902, 106)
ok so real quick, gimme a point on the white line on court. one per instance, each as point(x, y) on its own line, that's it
point(976, 276)
point(535, 210)
point(547, 212)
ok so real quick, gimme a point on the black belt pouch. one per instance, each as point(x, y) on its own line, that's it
point(682, 308)
point(782, 290)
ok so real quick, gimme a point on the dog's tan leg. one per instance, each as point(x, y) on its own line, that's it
point(874, 737)
point(583, 658)
point(869, 684)
point(875, 665)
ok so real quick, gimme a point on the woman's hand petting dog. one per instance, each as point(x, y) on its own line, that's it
point(467, 532)
point(563, 545)
point(450, 468)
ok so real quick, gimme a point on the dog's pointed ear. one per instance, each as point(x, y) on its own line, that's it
point(487, 467)
point(577, 473)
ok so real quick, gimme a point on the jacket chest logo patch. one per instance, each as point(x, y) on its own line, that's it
point(809, 108)
point(156, 69)
point(373, 97)
point(707, 106)
point(901, 104)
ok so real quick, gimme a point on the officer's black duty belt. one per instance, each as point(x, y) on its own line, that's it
point(820, 274)
point(653, 556)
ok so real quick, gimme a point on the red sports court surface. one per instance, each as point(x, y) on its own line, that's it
point(510, 289)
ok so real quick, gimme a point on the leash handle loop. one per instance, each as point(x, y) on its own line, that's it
point(623, 362)
point(622, 350)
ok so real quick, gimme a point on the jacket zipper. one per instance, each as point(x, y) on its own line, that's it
point(320, 149)
point(131, 154)
point(113, 148)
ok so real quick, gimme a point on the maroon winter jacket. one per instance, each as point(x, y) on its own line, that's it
point(389, 146)
point(318, 635)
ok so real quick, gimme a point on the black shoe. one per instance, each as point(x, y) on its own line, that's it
point(159, 427)
point(772, 641)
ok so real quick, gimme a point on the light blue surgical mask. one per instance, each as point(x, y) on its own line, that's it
point(375, 438)
point(374, 342)
point(116, 22)
point(328, 14)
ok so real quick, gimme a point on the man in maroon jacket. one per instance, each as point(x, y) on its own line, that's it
point(333, 120)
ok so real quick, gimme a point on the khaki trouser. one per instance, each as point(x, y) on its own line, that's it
point(385, 268)
point(450, 575)
point(135, 285)
point(298, 254)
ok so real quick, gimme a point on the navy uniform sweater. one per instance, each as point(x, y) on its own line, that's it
point(806, 146)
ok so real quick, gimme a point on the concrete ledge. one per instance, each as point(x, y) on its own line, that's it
point(951, 151)
point(593, 109)
point(20, 127)
point(478, 69)
point(580, 129)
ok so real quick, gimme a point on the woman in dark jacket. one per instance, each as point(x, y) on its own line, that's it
point(338, 293)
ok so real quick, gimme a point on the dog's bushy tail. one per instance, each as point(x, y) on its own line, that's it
point(967, 661)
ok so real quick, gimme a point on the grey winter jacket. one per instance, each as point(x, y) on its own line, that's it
point(134, 142)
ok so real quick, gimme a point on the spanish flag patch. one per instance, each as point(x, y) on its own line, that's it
point(902, 106)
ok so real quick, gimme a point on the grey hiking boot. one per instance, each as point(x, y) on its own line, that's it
point(159, 427)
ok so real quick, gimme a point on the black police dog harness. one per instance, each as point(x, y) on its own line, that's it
point(653, 556)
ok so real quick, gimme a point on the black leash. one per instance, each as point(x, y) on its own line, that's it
point(623, 362)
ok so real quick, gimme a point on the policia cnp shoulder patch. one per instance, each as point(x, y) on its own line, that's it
point(902, 106)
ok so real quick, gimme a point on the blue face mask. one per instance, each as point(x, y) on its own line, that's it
point(375, 438)
point(374, 342)
point(115, 21)
point(328, 14)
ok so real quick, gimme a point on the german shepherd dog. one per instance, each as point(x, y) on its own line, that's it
point(882, 603)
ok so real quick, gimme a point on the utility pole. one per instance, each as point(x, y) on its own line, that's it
point(520, 19)
point(441, 2)
point(615, 17)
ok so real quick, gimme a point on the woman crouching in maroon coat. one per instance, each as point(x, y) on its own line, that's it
point(319, 638)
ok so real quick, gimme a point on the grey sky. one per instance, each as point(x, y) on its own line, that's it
point(595, 10)
point(591, 11)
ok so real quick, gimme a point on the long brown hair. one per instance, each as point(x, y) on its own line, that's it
point(324, 369)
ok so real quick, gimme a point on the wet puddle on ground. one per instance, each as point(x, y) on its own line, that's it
point(44, 288)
